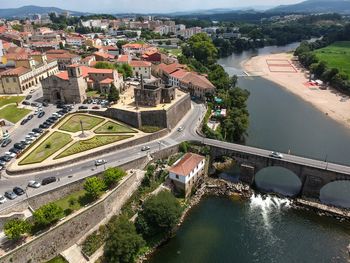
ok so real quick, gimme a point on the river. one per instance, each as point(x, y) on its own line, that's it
point(267, 229)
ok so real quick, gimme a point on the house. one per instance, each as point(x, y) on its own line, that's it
point(134, 48)
point(88, 61)
point(70, 86)
point(141, 68)
point(152, 56)
point(63, 57)
point(123, 59)
point(103, 56)
point(76, 41)
point(164, 70)
point(185, 173)
point(29, 70)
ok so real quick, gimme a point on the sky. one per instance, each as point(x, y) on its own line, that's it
point(143, 6)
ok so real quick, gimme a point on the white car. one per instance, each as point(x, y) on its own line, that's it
point(31, 91)
point(180, 129)
point(36, 112)
point(276, 155)
point(29, 138)
point(34, 184)
point(12, 155)
point(100, 162)
point(2, 199)
point(145, 148)
point(33, 134)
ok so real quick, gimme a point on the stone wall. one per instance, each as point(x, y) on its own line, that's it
point(129, 117)
point(177, 111)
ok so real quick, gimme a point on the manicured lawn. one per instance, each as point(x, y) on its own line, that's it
point(73, 123)
point(12, 113)
point(97, 141)
point(173, 51)
point(52, 144)
point(58, 259)
point(336, 55)
point(4, 100)
point(113, 127)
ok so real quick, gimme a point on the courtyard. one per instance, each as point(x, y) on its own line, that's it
point(67, 140)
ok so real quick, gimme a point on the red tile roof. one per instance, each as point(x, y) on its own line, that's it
point(179, 74)
point(106, 81)
point(85, 71)
point(123, 58)
point(15, 72)
point(197, 80)
point(187, 164)
point(104, 55)
point(170, 68)
point(139, 63)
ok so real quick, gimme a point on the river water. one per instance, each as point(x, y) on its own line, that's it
point(267, 229)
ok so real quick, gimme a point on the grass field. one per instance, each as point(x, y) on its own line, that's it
point(73, 123)
point(336, 55)
point(73, 202)
point(52, 144)
point(95, 142)
point(12, 113)
point(4, 100)
point(113, 127)
point(173, 51)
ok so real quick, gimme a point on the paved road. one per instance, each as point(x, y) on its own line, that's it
point(86, 168)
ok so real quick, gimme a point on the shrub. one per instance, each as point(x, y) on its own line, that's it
point(94, 187)
point(92, 243)
point(112, 176)
point(47, 215)
point(14, 229)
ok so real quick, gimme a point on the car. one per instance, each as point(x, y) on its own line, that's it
point(96, 107)
point(36, 112)
point(100, 162)
point(49, 121)
point(34, 134)
point(15, 150)
point(34, 184)
point(59, 106)
point(83, 107)
point(55, 114)
point(18, 190)
point(29, 97)
point(19, 146)
point(24, 121)
point(43, 126)
point(145, 148)
point(29, 137)
point(35, 104)
point(10, 195)
point(27, 142)
point(25, 102)
point(48, 180)
point(180, 129)
point(5, 158)
point(29, 117)
point(45, 104)
point(37, 130)
point(31, 91)
point(2, 199)
point(276, 155)
point(2, 163)
point(6, 142)
point(10, 154)
point(41, 114)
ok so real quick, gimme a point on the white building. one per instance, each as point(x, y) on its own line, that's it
point(141, 68)
point(75, 41)
point(185, 173)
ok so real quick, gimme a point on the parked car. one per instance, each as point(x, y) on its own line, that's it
point(276, 155)
point(24, 121)
point(19, 146)
point(27, 142)
point(33, 134)
point(37, 130)
point(6, 142)
point(25, 102)
point(34, 184)
point(41, 114)
point(2, 163)
point(31, 91)
point(29, 117)
point(83, 107)
point(45, 104)
point(48, 180)
point(145, 148)
point(35, 104)
point(5, 158)
point(10, 154)
point(29, 97)
point(2, 199)
point(18, 190)
point(180, 129)
point(15, 150)
point(43, 126)
point(10, 195)
point(96, 107)
point(100, 162)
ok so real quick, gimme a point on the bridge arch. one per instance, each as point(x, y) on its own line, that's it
point(336, 193)
point(278, 179)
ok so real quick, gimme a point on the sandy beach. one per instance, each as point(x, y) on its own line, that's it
point(285, 71)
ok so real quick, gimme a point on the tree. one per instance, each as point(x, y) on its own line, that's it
point(160, 214)
point(183, 147)
point(112, 176)
point(16, 228)
point(202, 49)
point(61, 45)
point(113, 94)
point(104, 65)
point(48, 214)
point(94, 186)
point(123, 243)
point(125, 69)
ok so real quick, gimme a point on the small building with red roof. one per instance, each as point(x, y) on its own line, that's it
point(186, 172)
point(141, 68)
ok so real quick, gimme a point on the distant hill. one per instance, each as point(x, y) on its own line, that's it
point(315, 6)
point(25, 11)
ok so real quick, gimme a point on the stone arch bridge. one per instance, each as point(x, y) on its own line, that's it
point(313, 174)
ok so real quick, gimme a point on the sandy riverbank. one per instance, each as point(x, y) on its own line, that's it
point(281, 69)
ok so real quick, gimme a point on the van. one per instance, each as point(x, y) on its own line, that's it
point(48, 180)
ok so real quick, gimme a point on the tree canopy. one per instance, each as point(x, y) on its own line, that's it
point(94, 186)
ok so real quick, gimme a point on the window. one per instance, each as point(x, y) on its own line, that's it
point(14, 79)
point(177, 177)
point(7, 80)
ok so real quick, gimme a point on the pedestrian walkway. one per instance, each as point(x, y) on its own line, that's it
point(74, 255)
